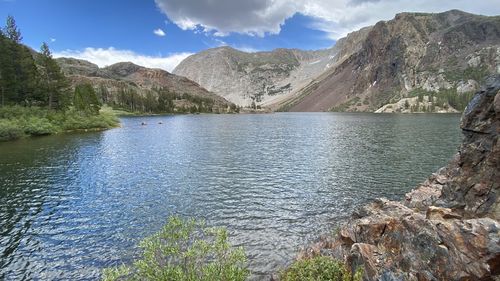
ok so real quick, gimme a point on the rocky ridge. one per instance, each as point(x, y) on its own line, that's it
point(125, 81)
point(445, 229)
point(260, 77)
point(447, 53)
point(265, 78)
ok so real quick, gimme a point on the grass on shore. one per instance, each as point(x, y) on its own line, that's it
point(18, 122)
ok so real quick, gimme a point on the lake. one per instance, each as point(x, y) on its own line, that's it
point(73, 204)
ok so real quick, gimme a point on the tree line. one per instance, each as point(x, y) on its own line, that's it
point(160, 100)
point(28, 78)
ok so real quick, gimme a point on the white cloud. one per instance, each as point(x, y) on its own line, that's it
point(247, 49)
point(349, 15)
point(336, 17)
point(253, 17)
point(104, 57)
point(52, 40)
point(159, 32)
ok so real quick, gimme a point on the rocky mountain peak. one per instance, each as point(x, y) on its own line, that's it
point(73, 66)
point(443, 56)
point(123, 69)
point(413, 54)
point(260, 77)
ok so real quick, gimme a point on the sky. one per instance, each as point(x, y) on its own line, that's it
point(161, 33)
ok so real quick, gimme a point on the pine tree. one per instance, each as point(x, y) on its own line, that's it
point(12, 31)
point(19, 73)
point(103, 93)
point(8, 85)
point(85, 99)
point(53, 81)
point(27, 75)
point(2, 69)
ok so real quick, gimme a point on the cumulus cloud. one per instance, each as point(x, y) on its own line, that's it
point(159, 32)
point(104, 57)
point(336, 17)
point(254, 17)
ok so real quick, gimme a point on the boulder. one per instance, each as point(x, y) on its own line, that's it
point(467, 86)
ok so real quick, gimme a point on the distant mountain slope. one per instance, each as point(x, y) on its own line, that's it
point(260, 77)
point(442, 56)
point(139, 88)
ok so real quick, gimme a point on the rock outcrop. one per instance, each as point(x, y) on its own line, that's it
point(411, 105)
point(445, 229)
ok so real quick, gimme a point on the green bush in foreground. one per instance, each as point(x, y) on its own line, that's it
point(185, 250)
point(320, 268)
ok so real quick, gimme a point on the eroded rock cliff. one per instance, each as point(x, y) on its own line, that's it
point(445, 229)
point(445, 54)
point(260, 78)
point(264, 78)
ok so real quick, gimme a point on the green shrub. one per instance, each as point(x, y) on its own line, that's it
point(10, 131)
point(18, 121)
point(35, 126)
point(319, 268)
point(185, 250)
point(76, 120)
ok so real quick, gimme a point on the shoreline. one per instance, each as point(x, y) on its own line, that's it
point(19, 122)
point(444, 229)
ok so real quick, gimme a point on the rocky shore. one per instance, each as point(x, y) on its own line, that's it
point(446, 228)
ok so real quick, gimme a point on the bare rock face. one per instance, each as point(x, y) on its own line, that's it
point(260, 77)
point(445, 229)
point(467, 86)
point(265, 78)
point(441, 54)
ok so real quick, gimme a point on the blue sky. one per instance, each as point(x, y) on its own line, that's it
point(105, 32)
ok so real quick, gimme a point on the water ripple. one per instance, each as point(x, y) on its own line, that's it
point(71, 205)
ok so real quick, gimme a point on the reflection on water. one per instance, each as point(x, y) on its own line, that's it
point(73, 204)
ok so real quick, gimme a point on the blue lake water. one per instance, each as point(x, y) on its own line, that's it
point(73, 204)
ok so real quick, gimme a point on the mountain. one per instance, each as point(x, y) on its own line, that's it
point(440, 55)
point(136, 88)
point(439, 59)
point(262, 77)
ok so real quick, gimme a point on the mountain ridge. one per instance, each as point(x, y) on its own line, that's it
point(435, 53)
point(139, 88)
point(257, 77)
